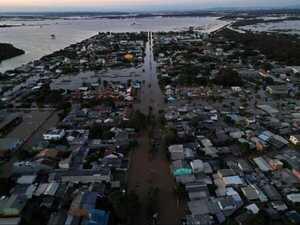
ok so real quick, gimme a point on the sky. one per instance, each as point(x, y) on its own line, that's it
point(131, 5)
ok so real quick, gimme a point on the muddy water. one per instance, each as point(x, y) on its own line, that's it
point(151, 95)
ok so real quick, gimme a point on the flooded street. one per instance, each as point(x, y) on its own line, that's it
point(152, 170)
point(151, 95)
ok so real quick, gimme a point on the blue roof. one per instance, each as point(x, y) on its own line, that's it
point(98, 217)
point(89, 200)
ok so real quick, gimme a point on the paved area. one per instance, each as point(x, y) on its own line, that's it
point(32, 120)
point(30, 130)
point(50, 122)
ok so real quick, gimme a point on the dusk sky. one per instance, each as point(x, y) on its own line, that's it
point(48, 5)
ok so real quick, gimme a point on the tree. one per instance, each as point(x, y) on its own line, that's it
point(137, 120)
point(125, 206)
point(169, 136)
point(269, 81)
point(180, 191)
point(133, 205)
point(152, 201)
point(228, 77)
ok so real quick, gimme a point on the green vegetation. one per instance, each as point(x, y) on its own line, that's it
point(228, 77)
point(47, 96)
point(8, 51)
point(180, 191)
point(169, 136)
point(67, 69)
point(93, 157)
point(189, 76)
point(137, 120)
point(25, 154)
point(268, 44)
point(65, 108)
point(152, 201)
point(254, 21)
point(126, 206)
point(99, 132)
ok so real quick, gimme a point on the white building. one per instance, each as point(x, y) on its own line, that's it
point(295, 139)
point(197, 166)
point(295, 197)
point(236, 89)
point(177, 152)
point(54, 135)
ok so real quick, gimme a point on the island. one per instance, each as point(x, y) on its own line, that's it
point(8, 51)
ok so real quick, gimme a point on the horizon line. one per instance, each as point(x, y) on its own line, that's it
point(204, 9)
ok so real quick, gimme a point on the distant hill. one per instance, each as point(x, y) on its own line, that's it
point(8, 51)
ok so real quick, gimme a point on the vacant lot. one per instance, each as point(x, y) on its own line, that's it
point(32, 120)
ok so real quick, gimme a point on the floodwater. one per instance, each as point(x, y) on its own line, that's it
point(34, 36)
point(288, 26)
point(150, 93)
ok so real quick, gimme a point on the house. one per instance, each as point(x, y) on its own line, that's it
point(293, 217)
point(262, 164)
point(271, 192)
point(244, 166)
point(275, 164)
point(268, 109)
point(227, 203)
point(12, 206)
point(244, 218)
point(199, 207)
point(277, 142)
point(57, 218)
point(176, 152)
point(236, 89)
point(197, 190)
point(180, 168)
point(294, 198)
point(250, 193)
point(197, 166)
point(278, 90)
point(28, 167)
point(47, 153)
point(26, 179)
point(54, 135)
point(10, 221)
point(97, 217)
point(295, 139)
point(47, 189)
point(226, 173)
point(232, 181)
point(81, 176)
point(199, 219)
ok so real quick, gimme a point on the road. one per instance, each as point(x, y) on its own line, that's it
point(149, 169)
point(150, 94)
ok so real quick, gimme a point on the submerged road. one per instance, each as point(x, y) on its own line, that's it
point(152, 170)
point(151, 95)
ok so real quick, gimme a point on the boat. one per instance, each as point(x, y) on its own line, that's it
point(52, 36)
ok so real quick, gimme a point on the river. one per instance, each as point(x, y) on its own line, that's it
point(34, 36)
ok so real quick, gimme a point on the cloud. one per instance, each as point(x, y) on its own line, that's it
point(137, 4)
